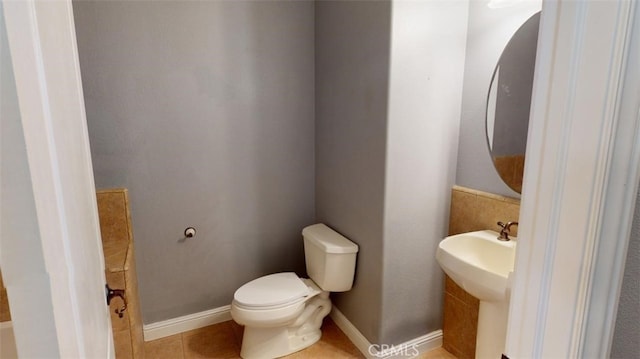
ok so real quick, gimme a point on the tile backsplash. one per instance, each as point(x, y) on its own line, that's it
point(471, 210)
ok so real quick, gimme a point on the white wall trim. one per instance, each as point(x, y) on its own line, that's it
point(173, 326)
point(410, 348)
point(43, 49)
point(620, 189)
point(414, 347)
point(581, 172)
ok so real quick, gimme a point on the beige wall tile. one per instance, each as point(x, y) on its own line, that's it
point(115, 255)
point(113, 215)
point(452, 288)
point(455, 352)
point(135, 314)
point(469, 332)
point(453, 322)
point(461, 217)
point(491, 211)
point(122, 342)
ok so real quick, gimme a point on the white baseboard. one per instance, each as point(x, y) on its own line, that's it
point(414, 347)
point(173, 326)
point(351, 332)
point(408, 349)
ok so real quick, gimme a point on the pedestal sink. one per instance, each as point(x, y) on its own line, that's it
point(481, 264)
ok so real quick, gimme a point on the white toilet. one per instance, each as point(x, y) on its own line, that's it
point(281, 312)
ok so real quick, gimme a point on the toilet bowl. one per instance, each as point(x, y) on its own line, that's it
point(282, 313)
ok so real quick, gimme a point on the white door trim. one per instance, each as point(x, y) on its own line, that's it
point(623, 179)
point(580, 183)
point(45, 63)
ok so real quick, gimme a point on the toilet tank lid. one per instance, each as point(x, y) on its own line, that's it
point(329, 240)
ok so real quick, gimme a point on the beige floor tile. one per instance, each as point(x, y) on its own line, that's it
point(164, 348)
point(439, 353)
point(224, 340)
point(215, 341)
point(238, 331)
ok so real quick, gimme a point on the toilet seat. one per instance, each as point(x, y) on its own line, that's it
point(272, 291)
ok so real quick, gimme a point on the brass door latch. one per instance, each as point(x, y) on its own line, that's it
point(112, 293)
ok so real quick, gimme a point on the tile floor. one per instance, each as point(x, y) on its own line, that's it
point(223, 341)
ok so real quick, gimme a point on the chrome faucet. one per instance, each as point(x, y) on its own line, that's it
point(505, 230)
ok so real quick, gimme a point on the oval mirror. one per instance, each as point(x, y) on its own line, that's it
point(509, 101)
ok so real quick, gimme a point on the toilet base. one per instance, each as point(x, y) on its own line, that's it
point(258, 343)
point(275, 342)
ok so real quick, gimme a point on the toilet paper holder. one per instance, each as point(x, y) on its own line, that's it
point(189, 232)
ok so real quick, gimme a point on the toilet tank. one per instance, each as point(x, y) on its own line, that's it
point(330, 258)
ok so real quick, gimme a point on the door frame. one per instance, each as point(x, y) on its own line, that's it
point(580, 183)
point(44, 55)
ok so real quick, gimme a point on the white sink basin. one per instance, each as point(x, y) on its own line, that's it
point(479, 263)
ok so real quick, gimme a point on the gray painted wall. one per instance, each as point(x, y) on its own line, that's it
point(625, 337)
point(352, 77)
point(489, 31)
point(427, 63)
point(23, 268)
point(205, 112)
point(388, 90)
